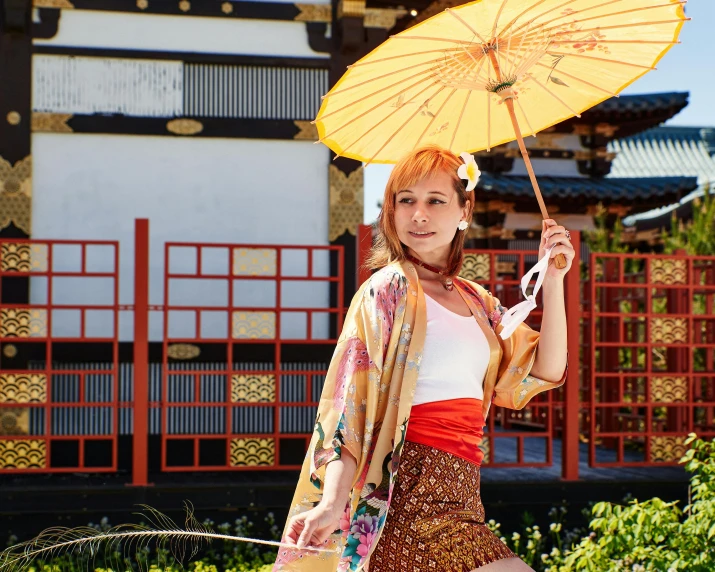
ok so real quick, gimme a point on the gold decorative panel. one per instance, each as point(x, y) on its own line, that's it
point(184, 126)
point(486, 449)
point(308, 131)
point(254, 262)
point(51, 122)
point(183, 351)
point(475, 267)
point(23, 323)
point(253, 388)
point(14, 421)
point(351, 8)
point(667, 449)
point(253, 325)
point(23, 257)
point(668, 271)
point(669, 330)
point(23, 388)
point(314, 13)
point(65, 4)
point(9, 350)
point(346, 201)
point(669, 389)
point(252, 452)
point(22, 454)
point(16, 194)
point(383, 18)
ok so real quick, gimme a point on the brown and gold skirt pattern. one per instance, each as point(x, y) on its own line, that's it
point(436, 518)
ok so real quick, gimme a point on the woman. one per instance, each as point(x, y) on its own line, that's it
point(420, 346)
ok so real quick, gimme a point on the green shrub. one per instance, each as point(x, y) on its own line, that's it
point(653, 535)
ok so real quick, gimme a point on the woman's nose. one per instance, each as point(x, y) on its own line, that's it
point(419, 215)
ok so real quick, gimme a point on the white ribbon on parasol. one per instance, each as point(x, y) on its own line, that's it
point(517, 314)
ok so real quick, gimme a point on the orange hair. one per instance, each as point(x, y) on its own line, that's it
point(413, 168)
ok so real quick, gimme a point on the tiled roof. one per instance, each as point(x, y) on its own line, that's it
point(614, 189)
point(666, 152)
point(643, 102)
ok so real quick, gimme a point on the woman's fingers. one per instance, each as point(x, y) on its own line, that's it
point(567, 251)
point(305, 536)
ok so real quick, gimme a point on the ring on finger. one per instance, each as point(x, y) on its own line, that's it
point(568, 234)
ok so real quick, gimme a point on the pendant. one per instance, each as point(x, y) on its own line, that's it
point(448, 284)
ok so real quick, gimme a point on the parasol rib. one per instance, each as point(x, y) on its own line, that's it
point(529, 9)
point(496, 20)
point(581, 11)
point(517, 54)
point(340, 91)
point(450, 40)
point(533, 20)
point(371, 62)
point(631, 25)
point(552, 94)
point(461, 114)
point(371, 109)
point(526, 118)
point(376, 93)
point(459, 18)
point(586, 56)
point(588, 83)
point(384, 119)
point(434, 118)
point(611, 14)
point(659, 42)
point(391, 137)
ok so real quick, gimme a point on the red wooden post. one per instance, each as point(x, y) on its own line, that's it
point(364, 244)
point(572, 398)
point(140, 469)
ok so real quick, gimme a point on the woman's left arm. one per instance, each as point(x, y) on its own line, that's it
point(550, 361)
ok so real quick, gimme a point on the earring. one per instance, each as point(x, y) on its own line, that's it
point(463, 224)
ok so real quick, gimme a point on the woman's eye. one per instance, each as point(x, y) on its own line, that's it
point(405, 201)
point(436, 202)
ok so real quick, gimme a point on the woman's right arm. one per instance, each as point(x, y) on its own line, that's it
point(313, 527)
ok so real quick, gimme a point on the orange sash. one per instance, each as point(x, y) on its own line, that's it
point(454, 426)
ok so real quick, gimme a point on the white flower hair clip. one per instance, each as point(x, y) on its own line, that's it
point(469, 171)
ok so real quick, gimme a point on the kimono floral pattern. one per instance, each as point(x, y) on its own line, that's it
point(366, 403)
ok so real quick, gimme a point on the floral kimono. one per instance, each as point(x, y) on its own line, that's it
point(367, 398)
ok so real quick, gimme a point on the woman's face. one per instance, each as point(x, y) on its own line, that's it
point(427, 215)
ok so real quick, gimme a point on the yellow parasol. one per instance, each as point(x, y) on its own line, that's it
point(468, 78)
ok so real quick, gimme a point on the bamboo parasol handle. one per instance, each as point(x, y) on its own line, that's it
point(560, 259)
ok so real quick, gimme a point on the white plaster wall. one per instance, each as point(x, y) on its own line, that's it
point(93, 29)
point(233, 191)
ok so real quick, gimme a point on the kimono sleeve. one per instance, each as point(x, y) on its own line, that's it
point(341, 418)
point(515, 387)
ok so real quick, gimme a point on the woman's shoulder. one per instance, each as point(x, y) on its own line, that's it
point(389, 281)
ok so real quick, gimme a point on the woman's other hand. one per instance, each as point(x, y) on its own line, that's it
point(313, 527)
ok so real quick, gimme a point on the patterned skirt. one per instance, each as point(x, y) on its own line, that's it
point(436, 517)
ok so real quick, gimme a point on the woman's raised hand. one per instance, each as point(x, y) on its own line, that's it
point(556, 236)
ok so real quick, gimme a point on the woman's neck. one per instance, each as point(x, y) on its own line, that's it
point(435, 260)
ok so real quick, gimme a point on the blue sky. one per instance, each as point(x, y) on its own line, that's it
point(689, 66)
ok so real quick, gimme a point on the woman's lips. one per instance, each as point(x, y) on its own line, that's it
point(415, 235)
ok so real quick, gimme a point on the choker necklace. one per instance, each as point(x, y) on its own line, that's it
point(447, 281)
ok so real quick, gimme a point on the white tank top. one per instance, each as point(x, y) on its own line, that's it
point(455, 357)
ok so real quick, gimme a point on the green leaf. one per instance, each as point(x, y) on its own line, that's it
point(558, 81)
